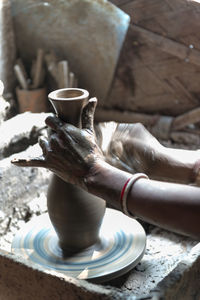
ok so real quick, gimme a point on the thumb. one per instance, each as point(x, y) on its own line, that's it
point(30, 162)
point(87, 116)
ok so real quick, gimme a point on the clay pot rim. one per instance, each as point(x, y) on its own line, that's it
point(53, 95)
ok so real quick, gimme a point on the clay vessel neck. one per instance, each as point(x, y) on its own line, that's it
point(68, 104)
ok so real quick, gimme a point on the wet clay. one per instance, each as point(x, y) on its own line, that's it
point(75, 214)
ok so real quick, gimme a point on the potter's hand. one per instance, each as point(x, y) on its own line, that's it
point(131, 147)
point(70, 152)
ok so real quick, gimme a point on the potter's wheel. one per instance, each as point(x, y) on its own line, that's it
point(120, 248)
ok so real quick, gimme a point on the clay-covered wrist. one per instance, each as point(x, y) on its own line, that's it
point(106, 181)
point(96, 174)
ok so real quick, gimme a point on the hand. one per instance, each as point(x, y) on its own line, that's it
point(70, 152)
point(132, 148)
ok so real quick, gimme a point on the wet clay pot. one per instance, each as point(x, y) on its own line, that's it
point(75, 214)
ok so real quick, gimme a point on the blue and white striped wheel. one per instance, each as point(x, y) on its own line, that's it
point(121, 246)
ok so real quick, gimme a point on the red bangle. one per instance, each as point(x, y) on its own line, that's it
point(126, 189)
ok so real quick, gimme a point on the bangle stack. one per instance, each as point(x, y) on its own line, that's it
point(125, 190)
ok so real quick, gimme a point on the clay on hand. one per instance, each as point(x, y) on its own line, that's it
point(134, 141)
point(70, 152)
point(130, 147)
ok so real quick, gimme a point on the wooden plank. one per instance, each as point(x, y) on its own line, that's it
point(175, 67)
point(178, 4)
point(120, 2)
point(185, 138)
point(149, 62)
point(167, 45)
point(147, 80)
point(182, 90)
point(150, 56)
point(192, 82)
point(142, 9)
point(37, 80)
point(153, 25)
point(20, 77)
point(138, 52)
point(191, 39)
point(166, 24)
point(105, 115)
point(164, 65)
point(63, 74)
point(190, 117)
point(168, 104)
point(143, 101)
point(178, 23)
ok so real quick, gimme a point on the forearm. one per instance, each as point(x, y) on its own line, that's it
point(174, 165)
point(141, 152)
point(168, 164)
point(175, 207)
point(107, 182)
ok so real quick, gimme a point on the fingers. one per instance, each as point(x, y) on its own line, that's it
point(56, 144)
point(54, 123)
point(68, 133)
point(36, 161)
point(87, 117)
point(61, 128)
point(31, 162)
point(44, 145)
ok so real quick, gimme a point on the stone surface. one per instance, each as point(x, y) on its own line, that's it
point(33, 205)
point(19, 280)
point(17, 133)
point(183, 282)
point(163, 253)
point(17, 185)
